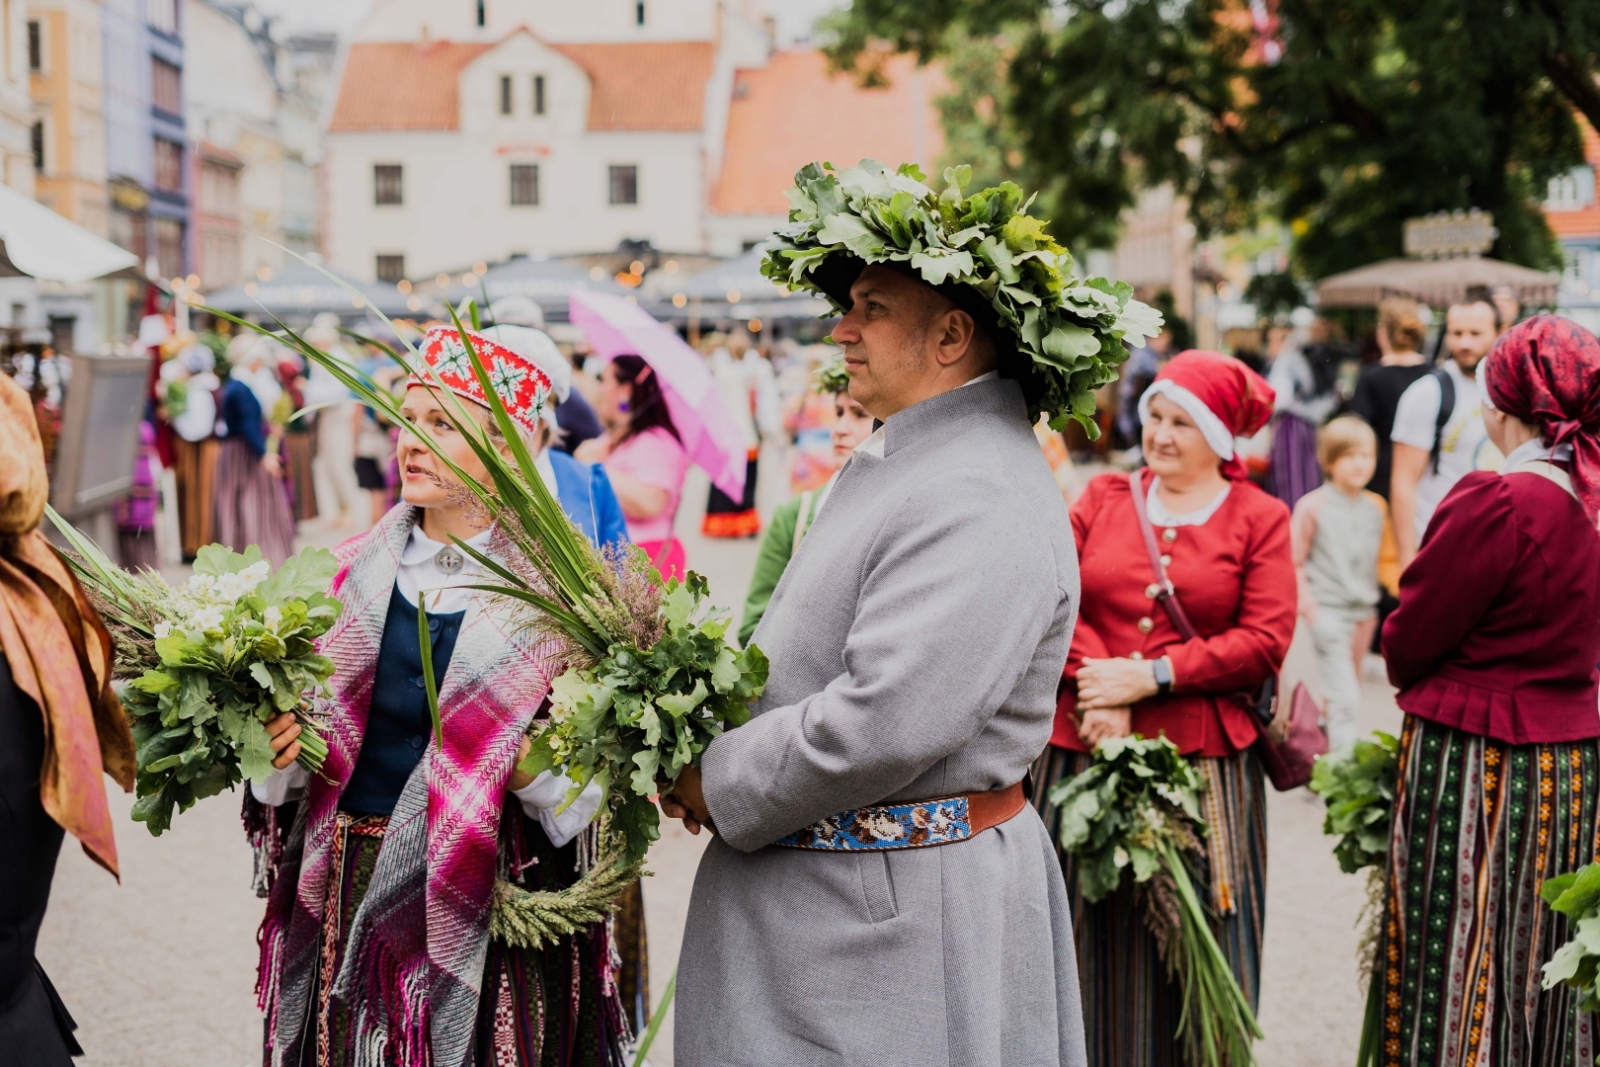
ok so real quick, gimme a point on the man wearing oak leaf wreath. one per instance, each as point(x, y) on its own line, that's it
point(878, 891)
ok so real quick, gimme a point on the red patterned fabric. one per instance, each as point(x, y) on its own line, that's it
point(1546, 371)
point(522, 387)
point(1233, 392)
point(419, 969)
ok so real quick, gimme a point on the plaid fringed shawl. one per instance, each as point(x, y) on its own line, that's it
point(413, 986)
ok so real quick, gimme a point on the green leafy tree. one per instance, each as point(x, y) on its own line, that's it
point(1344, 118)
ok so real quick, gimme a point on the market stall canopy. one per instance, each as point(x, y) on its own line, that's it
point(1435, 282)
point(301, 289)
point(41, 244)
point(547, 282)
point(734, 288)
point(615, 327)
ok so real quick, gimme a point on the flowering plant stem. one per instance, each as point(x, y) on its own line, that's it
point(202, 668)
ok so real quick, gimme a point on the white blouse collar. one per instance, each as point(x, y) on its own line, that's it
point(1160, 516)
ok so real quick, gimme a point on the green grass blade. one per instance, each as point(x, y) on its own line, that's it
point(108, 573)
point(574, 559)
point(425, 642)
point(367, 390)
point(656, 1020)
point(1371, 1026)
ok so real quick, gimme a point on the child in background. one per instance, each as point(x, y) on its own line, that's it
point(851, 426)
point(1344, 550)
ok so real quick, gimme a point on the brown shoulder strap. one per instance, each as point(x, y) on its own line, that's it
point(1168, 596)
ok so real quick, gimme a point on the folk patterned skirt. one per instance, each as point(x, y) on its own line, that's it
point(555, 1007)
point(727, 517)
point(1479, 826)
point(1130, 1006)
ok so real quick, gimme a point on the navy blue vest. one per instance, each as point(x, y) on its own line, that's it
point(398, 723)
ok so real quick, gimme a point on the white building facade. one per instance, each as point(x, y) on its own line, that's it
point(548, 129)
point(470, 131)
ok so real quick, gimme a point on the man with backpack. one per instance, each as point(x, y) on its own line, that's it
point(1438, 434)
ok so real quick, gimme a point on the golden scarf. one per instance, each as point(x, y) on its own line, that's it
point(57, 648)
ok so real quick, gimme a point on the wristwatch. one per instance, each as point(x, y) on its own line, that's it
point(1162, 669)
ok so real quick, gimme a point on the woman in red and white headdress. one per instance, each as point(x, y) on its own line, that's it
point(381, 875)
point(1224, 544)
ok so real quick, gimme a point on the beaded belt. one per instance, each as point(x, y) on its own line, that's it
point(917, 824)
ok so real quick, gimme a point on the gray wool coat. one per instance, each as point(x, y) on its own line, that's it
point(916, 639)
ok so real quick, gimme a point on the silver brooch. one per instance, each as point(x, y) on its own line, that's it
point(449, 560)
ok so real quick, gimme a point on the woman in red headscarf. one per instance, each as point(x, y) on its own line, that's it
point(1224, 545)
point(1494, 648)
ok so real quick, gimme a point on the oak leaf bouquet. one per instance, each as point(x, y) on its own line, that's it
point(202, 667)
point(1136, 811)
point(1576, 895)
point(650, 679)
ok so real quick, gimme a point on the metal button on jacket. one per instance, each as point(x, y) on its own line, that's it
point(1166, 561)
point(1146, 624)
point(1169, 535)
point(1152, 590)
point(1136, 655)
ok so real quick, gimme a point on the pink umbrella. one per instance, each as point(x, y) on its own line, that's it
point(616, 327)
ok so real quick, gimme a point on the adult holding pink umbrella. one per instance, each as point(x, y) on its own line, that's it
point(643, 456)
point(662, 411)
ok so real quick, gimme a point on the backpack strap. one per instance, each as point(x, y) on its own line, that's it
point(1447, 408)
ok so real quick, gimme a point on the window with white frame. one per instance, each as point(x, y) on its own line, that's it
point(1572, 191)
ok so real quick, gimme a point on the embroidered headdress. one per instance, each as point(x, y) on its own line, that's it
point(523, 388)
point(1059, 336)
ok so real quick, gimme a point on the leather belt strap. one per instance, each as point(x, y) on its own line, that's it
point(914, 824)
point(995, 807)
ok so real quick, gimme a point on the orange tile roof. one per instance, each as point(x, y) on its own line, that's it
point(648, 86)
point(401, 86)
point(1585, 222)
point(413, 86)
point(794, 111)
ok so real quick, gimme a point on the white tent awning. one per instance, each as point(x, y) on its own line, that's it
point(44, 245)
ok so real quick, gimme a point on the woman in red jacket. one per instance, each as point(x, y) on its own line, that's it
point(1225, 546)
point(1493, 649)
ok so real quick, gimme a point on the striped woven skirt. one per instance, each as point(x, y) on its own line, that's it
point(252, 505)
point(1479, 826)
point(1130, 1005)
point(555, 1007)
